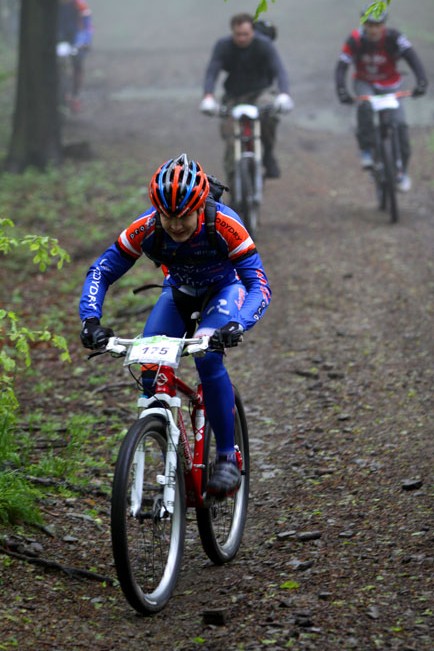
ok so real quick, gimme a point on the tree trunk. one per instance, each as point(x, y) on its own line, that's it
point(36, 124)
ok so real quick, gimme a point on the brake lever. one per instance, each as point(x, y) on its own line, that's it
point(96, 353)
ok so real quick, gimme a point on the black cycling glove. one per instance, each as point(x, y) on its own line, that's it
point(228, 336)
point(93, 335)
point(419, 90)
point(344, 96)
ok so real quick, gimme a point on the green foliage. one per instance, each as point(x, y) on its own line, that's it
point(261, 8)
point(17, 499)
point(66, 463)
point(102, 196)
point(96, 194)
point(43, 248)
point(290, 585)
point(375, 9)
point(18, 340)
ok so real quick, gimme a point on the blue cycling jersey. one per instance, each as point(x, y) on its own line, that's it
point(194, 266)
point(227, 272)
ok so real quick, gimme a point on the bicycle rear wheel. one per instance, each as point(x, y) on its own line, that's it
point(249, 208)
point(221, 525)
point(147, 541)
point(390, 180)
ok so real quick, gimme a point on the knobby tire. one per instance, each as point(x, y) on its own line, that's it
point(221, 525)
point(379, 180)
point(147, 548)
point(390, 179)
point(249, 206)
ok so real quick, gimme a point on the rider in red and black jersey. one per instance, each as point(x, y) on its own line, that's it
point(374, 51)
point(223, 279)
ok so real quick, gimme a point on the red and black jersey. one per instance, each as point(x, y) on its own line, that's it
point(376, 62)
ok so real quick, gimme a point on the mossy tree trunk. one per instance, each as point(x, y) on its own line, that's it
point(36, 123)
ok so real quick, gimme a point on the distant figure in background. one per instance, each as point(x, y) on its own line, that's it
point(253, 65)
point(374, 51)
point(76, 28)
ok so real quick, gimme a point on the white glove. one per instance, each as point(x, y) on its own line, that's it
point(283, 103)
point(209, 105)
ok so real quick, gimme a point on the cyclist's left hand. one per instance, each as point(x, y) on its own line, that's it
point(283, 103)
point(229, 335)
point(344, 96)
point(419, 90)
point(93, 335)
point(209, 105)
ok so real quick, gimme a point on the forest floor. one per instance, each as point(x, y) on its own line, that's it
point(337, 381)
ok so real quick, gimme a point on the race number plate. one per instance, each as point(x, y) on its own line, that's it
point(155, 350)
point(381, 102)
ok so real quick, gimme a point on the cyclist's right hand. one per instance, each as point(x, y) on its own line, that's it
point(209, 105)
point(419, 90)
point(229, 335)
point(93, 335)
point(344, 96)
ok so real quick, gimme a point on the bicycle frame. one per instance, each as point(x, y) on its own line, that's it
point(178, 438)
point(384, 106)
point(168, 386)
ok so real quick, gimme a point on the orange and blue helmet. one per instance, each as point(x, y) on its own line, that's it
point(179, 187)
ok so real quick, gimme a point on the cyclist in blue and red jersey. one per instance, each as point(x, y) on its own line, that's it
point(374, 50)
point(74, 25)
point(222, 278)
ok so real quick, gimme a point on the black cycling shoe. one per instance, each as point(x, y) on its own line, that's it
point(225, 479)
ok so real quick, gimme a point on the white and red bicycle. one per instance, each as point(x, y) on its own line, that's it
point(162, 469)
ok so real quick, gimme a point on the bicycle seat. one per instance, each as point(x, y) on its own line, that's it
point(250, 110)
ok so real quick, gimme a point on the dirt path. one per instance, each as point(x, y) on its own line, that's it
point(338, 386)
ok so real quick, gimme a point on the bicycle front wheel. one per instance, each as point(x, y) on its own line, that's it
point(390, 180)
point(221, 525)
point(380, 183)
point(147, 541)
point(249, 205)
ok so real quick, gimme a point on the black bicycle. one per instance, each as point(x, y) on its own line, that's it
point(388, 165)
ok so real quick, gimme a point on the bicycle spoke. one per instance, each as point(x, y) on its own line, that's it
point(221, 524)
point(147, 540)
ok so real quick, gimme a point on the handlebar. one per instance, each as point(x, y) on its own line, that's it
point(396, 94)
point(119, 346)
point(252, 111)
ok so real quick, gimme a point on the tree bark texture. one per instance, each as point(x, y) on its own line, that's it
point(36, 126)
